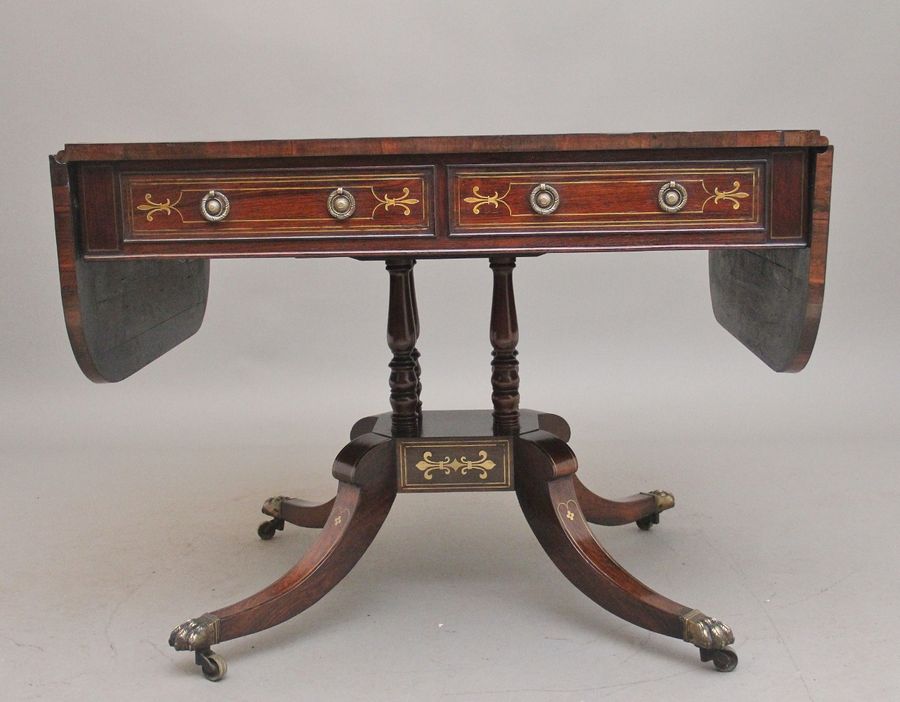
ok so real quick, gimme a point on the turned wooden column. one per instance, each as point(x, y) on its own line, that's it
point(504, 338)
point(402, 331)
point(415, 351)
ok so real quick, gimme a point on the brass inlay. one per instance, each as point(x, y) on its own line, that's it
point(341, 518)
point(478, 199)
point(454, 465)
point(275, 185)
point(462, 464)
point(609, 177)
point(733, 195)
point(151, 208)
point(568, 510)
point(403, 200)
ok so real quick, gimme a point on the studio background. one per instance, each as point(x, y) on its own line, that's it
point(127, 508)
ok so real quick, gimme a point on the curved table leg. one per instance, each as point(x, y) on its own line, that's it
point(293, 511)
point(365, 494)
point(643, 508)
point(545, 486)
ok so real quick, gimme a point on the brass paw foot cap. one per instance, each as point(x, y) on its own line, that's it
point(272, 506)
point(706, 632)
point(664, 500)
point(195, 634)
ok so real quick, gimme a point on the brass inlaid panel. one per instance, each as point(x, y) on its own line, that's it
point(607, 197)
point(278, 203)
point(454, 464)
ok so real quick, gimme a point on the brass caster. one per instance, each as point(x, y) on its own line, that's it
point(212, 664)
point(267, 530)
point(724, 659)
point(644, 523)
point(664, 500)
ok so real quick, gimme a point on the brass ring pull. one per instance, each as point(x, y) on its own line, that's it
point(214, 206)
point(672, 197)
point(341, 204)
point(544, 199)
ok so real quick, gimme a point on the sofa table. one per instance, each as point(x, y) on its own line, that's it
point(137, 224)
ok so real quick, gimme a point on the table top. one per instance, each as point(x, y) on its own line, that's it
point(136, 224)
point(378, 146)
point(443, 196)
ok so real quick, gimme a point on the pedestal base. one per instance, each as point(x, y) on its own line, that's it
point(459, 450)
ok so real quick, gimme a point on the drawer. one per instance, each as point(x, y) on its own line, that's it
point(608, 198)
point(282, 203)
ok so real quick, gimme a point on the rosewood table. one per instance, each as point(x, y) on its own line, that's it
point(136, 226)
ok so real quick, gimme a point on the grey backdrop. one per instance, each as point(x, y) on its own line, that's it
point(127, 508)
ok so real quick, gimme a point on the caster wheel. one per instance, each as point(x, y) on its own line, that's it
point(725, 660)
point(267, 530)
point(645, 523)
point(212, 665)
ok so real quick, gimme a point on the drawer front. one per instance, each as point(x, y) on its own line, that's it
point(278, 204)
point(442, 465)
point(602, 198)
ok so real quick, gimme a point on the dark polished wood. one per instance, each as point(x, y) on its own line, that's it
point(133, 247)
point(771, 301)
point(365, 494)
point(121, 315)
point(390, 146)
point(546, 491)
point(504, 338)
point(416, 198)
point(402, 331)
point(601, 510)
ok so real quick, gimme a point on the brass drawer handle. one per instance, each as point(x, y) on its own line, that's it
point(341, 204)
point(214, 206)
point(544, 199)
point(672, 197)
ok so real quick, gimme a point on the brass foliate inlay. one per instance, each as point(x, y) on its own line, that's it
point(152, 208)
point(463, 465)
point(454, 464)
point(403, 201)
point(478, 200)
point(734, 195)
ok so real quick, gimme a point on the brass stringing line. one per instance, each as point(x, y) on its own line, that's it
point(151, 208)
point(403, 200)
point(674, 172)
point(478, 199)
point(717, 195)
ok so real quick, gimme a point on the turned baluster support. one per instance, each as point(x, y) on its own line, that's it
point(415, 351)
point(504, 339)
point(402, 331)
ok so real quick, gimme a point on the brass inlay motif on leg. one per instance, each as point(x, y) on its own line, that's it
point(152, 208)
point(477, 199)
point(341, 518)
point(387, 202)
point(568, 510)
point(733, 196)
point(462, 464)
